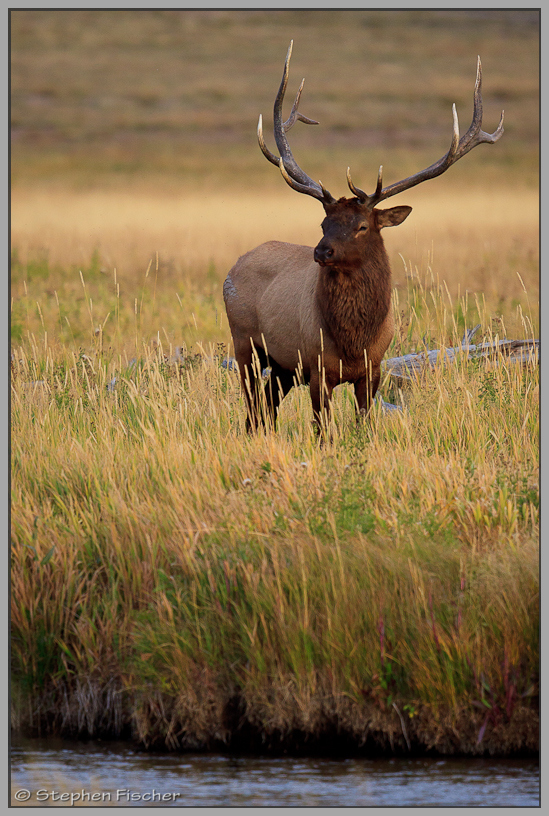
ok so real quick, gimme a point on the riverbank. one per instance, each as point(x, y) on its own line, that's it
point(330, 728)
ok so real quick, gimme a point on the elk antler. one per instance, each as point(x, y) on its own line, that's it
point(458, 148)
point(292, 173)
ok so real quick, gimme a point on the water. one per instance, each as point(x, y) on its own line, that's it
point(117, 774)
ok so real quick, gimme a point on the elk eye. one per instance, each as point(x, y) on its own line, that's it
point(362, 228)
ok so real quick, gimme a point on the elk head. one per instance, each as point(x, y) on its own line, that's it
point(350, 229)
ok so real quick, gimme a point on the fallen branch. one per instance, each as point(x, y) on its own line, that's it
point(523, 352)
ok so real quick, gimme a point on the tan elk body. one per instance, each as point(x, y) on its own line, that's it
point(323, 316)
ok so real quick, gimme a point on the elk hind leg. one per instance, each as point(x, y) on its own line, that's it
point(250, 366)
point(279, 384)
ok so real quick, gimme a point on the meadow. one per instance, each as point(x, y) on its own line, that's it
point(174, 580)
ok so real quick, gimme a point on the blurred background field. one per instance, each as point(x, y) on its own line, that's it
point(179, 92)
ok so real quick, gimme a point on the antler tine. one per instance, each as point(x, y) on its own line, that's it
point(326, 196)
point(360, 194)
point(291, 171)
point(379, 184)
point(475, 135)
point(458, 148)
point(356, 190)
point(323, 195)
point(264, 149)
point(295, 115)
point(295, 185)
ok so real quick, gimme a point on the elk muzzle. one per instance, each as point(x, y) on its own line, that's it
point(324, 253)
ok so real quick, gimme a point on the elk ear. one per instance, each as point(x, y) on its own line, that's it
point(392, 217)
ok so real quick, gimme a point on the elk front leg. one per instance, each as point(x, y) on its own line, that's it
point(365, 390)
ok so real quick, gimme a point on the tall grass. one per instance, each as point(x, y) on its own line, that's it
point(176, 579)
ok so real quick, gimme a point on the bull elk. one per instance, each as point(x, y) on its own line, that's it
point(323, 316)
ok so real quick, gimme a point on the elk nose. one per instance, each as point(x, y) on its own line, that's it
point(323, 254)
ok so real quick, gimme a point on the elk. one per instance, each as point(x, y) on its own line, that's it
point(323, 316)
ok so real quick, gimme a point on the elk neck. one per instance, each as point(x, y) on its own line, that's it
point(355, 299)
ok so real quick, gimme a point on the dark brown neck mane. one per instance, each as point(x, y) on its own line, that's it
point(355, 301)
